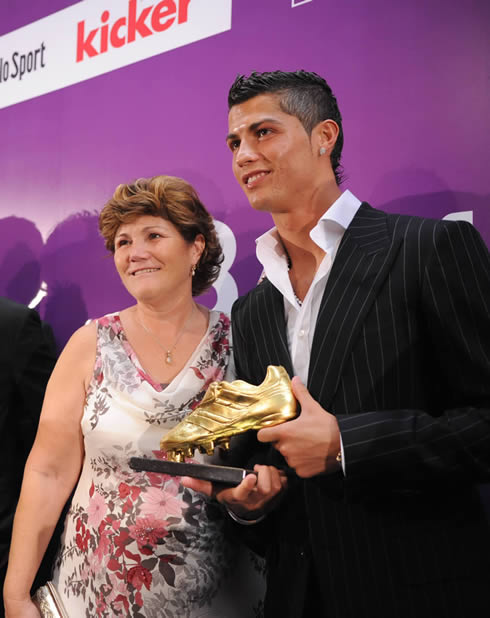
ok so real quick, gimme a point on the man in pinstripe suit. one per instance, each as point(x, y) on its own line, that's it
point(385, 319)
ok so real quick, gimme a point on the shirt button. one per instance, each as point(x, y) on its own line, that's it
point(301, 333)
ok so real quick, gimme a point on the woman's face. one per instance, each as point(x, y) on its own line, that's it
point(153, 259)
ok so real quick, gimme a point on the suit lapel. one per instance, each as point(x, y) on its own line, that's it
point(363, 261)
point(270, 306)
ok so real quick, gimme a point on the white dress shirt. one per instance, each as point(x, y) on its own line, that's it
point(301, 319)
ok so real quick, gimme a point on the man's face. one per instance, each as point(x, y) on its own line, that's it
point(273, 158)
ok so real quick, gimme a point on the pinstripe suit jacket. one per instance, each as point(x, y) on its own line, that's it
point(401, 355)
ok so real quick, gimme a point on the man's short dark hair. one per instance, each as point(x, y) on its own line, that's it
point(302, 94)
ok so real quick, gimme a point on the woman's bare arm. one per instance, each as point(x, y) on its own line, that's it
point(52, 469)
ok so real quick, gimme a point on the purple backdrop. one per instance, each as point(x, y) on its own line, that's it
point(412, 84)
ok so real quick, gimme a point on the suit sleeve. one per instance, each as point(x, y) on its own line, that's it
point(452, 441)
point(246, 450)
point(34, 361)
point(240, 360)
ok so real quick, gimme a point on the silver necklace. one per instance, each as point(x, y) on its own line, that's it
point(169, 351)
point(290, 264)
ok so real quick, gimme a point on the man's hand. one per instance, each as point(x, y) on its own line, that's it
point(252, 498)
point(309, 443)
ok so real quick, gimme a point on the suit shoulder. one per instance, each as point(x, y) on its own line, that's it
point(244, 302)
point(13, 318)
point(9, 309)
point(426, 229)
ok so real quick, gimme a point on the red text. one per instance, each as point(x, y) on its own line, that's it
point(148, 21)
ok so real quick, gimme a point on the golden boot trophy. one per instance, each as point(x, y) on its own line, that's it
point(227, 409)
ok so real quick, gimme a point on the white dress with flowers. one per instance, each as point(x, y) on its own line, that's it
point(139, 544)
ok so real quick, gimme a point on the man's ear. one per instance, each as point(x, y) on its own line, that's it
point(325, 135)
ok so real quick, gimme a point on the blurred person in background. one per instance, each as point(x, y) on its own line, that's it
point(27, 358)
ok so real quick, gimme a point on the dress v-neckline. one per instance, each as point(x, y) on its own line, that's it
point(133, 357)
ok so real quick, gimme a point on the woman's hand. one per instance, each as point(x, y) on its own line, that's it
point(255, 495)
point(21, 609)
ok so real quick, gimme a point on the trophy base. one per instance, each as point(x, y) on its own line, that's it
point(225, 475)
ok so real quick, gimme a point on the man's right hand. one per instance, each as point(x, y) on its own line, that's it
point(255, 495)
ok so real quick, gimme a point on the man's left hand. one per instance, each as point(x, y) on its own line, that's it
point(310, 443)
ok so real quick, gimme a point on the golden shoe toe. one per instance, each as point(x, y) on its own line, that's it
point(231, 408)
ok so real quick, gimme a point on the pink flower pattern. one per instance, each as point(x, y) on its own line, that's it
point(147, 531)
point(162, 502)
point(96, 510)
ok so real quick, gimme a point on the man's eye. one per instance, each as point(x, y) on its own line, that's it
point(261, 132)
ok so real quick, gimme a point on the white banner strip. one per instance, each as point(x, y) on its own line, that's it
point(94, 37)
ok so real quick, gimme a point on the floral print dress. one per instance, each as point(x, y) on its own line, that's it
point(139, 544)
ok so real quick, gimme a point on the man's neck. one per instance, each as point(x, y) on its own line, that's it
point(294, 227)
point(295, 224)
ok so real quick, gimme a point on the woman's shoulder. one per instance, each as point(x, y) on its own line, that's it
point(217, 315)
point(77, 359)
point(219, 321)
point(83, 339)
point(219, 333)
point(87, 334)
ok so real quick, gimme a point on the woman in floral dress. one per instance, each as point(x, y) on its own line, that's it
point(135, 544)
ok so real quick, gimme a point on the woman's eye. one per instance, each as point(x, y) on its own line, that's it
point(262, 132)
point(121, 243)
point(234, 144)
point(155, 235)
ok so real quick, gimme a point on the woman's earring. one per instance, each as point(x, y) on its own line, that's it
point(193, 270)
point(322, 151)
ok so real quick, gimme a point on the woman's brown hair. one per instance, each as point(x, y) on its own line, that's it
point(174, 200)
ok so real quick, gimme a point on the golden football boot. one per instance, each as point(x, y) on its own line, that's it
point(228, 409)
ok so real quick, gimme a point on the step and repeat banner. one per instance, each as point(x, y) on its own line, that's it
point(100, 92)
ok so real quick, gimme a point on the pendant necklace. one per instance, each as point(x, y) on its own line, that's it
point(169, 351)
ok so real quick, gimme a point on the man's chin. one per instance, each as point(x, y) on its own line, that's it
point(259, 204)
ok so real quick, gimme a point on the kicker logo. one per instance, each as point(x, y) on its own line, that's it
point(147, 21)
